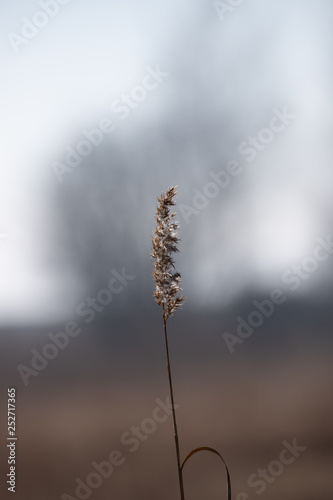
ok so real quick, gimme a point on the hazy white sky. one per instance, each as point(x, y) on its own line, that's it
point(66, 77)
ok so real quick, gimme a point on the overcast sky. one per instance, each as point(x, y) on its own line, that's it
point(226, 77)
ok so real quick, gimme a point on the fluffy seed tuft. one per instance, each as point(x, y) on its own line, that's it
point(164, 243)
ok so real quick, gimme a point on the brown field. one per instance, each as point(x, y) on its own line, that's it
point(246, 412)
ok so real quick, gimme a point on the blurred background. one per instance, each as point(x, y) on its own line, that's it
point(103, 106)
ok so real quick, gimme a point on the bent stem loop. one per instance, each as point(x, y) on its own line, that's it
point(212, 450)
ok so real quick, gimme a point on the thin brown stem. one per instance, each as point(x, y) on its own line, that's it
point(180, 473)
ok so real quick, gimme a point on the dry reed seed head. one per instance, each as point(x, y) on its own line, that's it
point(164, 244)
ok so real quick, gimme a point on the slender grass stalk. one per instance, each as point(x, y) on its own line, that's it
point(167, 287)
point(166, 293)
point(180, 472)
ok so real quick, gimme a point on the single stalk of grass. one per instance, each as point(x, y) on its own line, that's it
point(167, 295)
point(167, 288)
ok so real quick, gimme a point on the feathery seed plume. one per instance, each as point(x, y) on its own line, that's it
point(164, 242)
